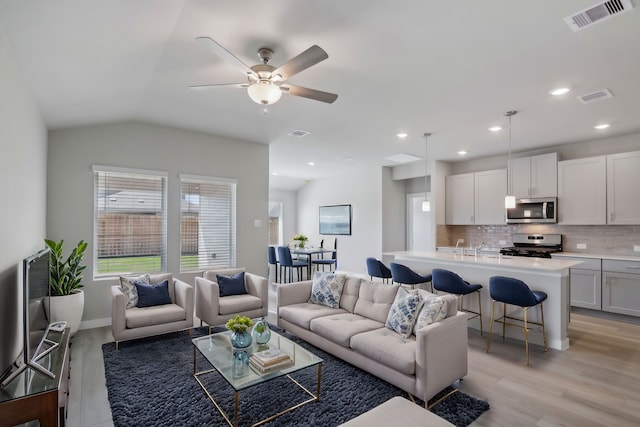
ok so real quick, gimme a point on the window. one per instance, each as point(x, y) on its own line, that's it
point(275, 223)
point(130, 221)
point(207, 222)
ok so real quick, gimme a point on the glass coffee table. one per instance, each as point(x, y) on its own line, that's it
point(217, 350)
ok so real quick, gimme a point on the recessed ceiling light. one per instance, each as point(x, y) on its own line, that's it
point(495, 128)
point(274, 173)
point(602, 126)
point(299, 133)
point(559, 91)
point(402, 135)
point(462, 152)
point(311, 163)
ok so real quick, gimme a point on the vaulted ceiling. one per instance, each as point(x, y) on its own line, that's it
point(450, 67)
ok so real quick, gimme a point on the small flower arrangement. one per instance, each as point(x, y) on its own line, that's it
point(239, 323)
point(301, 239)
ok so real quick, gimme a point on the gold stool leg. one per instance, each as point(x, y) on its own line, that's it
point(493, 304)
point(526, 334)
point(544, 334)
point(504, 319)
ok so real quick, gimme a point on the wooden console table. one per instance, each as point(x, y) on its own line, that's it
point(35, 396)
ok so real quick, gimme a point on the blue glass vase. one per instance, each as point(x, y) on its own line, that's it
point(261, 332)
point(241, 341)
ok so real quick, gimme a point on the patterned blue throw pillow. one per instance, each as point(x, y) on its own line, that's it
point(403, 312)
point(327, 289)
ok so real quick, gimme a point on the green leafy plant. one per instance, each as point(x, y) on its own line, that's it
point(301, 239)
point(66, 274)
point(239, 323)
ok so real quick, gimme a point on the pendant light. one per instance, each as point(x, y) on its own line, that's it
point(426, 204)
point(509, 200)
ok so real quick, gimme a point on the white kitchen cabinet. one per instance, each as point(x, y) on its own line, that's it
point(582, 191)
point(621, 287)
point(623, 195)
point(535, 176)
point(459, 205)
point(490, 189)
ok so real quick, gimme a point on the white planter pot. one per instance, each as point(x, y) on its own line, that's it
point(68, 308)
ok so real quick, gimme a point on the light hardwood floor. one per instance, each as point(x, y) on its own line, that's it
point(596, 382)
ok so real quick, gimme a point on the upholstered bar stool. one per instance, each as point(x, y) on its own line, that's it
point(375, 268)
point(273, 260)
point(449, 282)
point(284, 257)
point(508, 290)
point(402, 274)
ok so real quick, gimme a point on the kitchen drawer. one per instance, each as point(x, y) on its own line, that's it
point(631, 267)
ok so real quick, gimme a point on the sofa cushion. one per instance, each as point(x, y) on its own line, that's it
point(159, 277)
point(152, 294)
point(302, 314)
point(238, 303)
point(129, 289)
point(389, 348)
point(137, 317)
point(327, 288)
point(350, 292)
point(375, 299)
point(339, 328)
point(231, 285)
point(433, 310)
point(403, 312)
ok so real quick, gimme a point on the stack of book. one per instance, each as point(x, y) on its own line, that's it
point(270, 360)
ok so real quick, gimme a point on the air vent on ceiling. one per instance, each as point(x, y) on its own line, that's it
point(598, 95)
point(299, 133)
point(597, 13)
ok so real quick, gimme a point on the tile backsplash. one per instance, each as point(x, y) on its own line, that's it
point(600, 239)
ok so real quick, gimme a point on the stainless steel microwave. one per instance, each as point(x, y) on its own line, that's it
point(531, 211)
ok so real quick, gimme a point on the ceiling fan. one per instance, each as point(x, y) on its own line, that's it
point(265, 83)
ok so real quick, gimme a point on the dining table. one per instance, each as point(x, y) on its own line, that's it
point(310, 251)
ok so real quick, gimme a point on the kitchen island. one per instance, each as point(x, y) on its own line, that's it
point(547, 275)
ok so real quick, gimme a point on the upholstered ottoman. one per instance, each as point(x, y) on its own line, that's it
point(397, 411)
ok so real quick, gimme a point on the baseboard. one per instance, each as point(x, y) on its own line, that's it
point(95, 323)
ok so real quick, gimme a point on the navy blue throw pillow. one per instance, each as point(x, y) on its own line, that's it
point(152, 294)
point(231, 285)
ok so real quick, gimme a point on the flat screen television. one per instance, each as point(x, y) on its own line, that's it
point(36, 293)
point(35, 290)
point(335, 220)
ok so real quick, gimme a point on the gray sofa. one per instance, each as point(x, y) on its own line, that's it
point(215, 310)
point(422, 365)
point(135, 322)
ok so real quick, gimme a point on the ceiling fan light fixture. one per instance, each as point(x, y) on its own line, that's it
point(264, 92)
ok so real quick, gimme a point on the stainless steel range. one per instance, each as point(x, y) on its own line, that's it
point(534, 245)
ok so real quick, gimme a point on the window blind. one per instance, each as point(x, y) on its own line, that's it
point(207, 222)
point(130, 221)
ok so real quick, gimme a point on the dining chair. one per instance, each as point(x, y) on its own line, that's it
point(508, 290)
point(333, 261)
point(449, 282)
point(402, 274)
point(273, 260)
point(284, 257)
point(375, 268)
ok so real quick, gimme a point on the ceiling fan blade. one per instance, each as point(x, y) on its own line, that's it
point(316, 95)
point(224, 54)
point(205, 87)
point(306, 59)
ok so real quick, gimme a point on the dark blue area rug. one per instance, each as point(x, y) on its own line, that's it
point(150, 383)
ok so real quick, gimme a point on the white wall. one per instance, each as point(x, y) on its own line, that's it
point(362, 190)
point(23, 169)
point(290, 215)
point(146, 146)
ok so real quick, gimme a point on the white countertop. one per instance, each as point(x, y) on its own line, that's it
point(524, 263)
point(596, 256)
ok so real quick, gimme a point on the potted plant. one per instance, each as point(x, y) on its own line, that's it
point(240, 338)
point(300, 240)
point(67, 299)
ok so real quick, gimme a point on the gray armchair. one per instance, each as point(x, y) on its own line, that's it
point(215, 310)
point(136, 322)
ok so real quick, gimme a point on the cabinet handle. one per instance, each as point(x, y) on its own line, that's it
point(533, 191)
point(611, 216)
point(471, 219)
